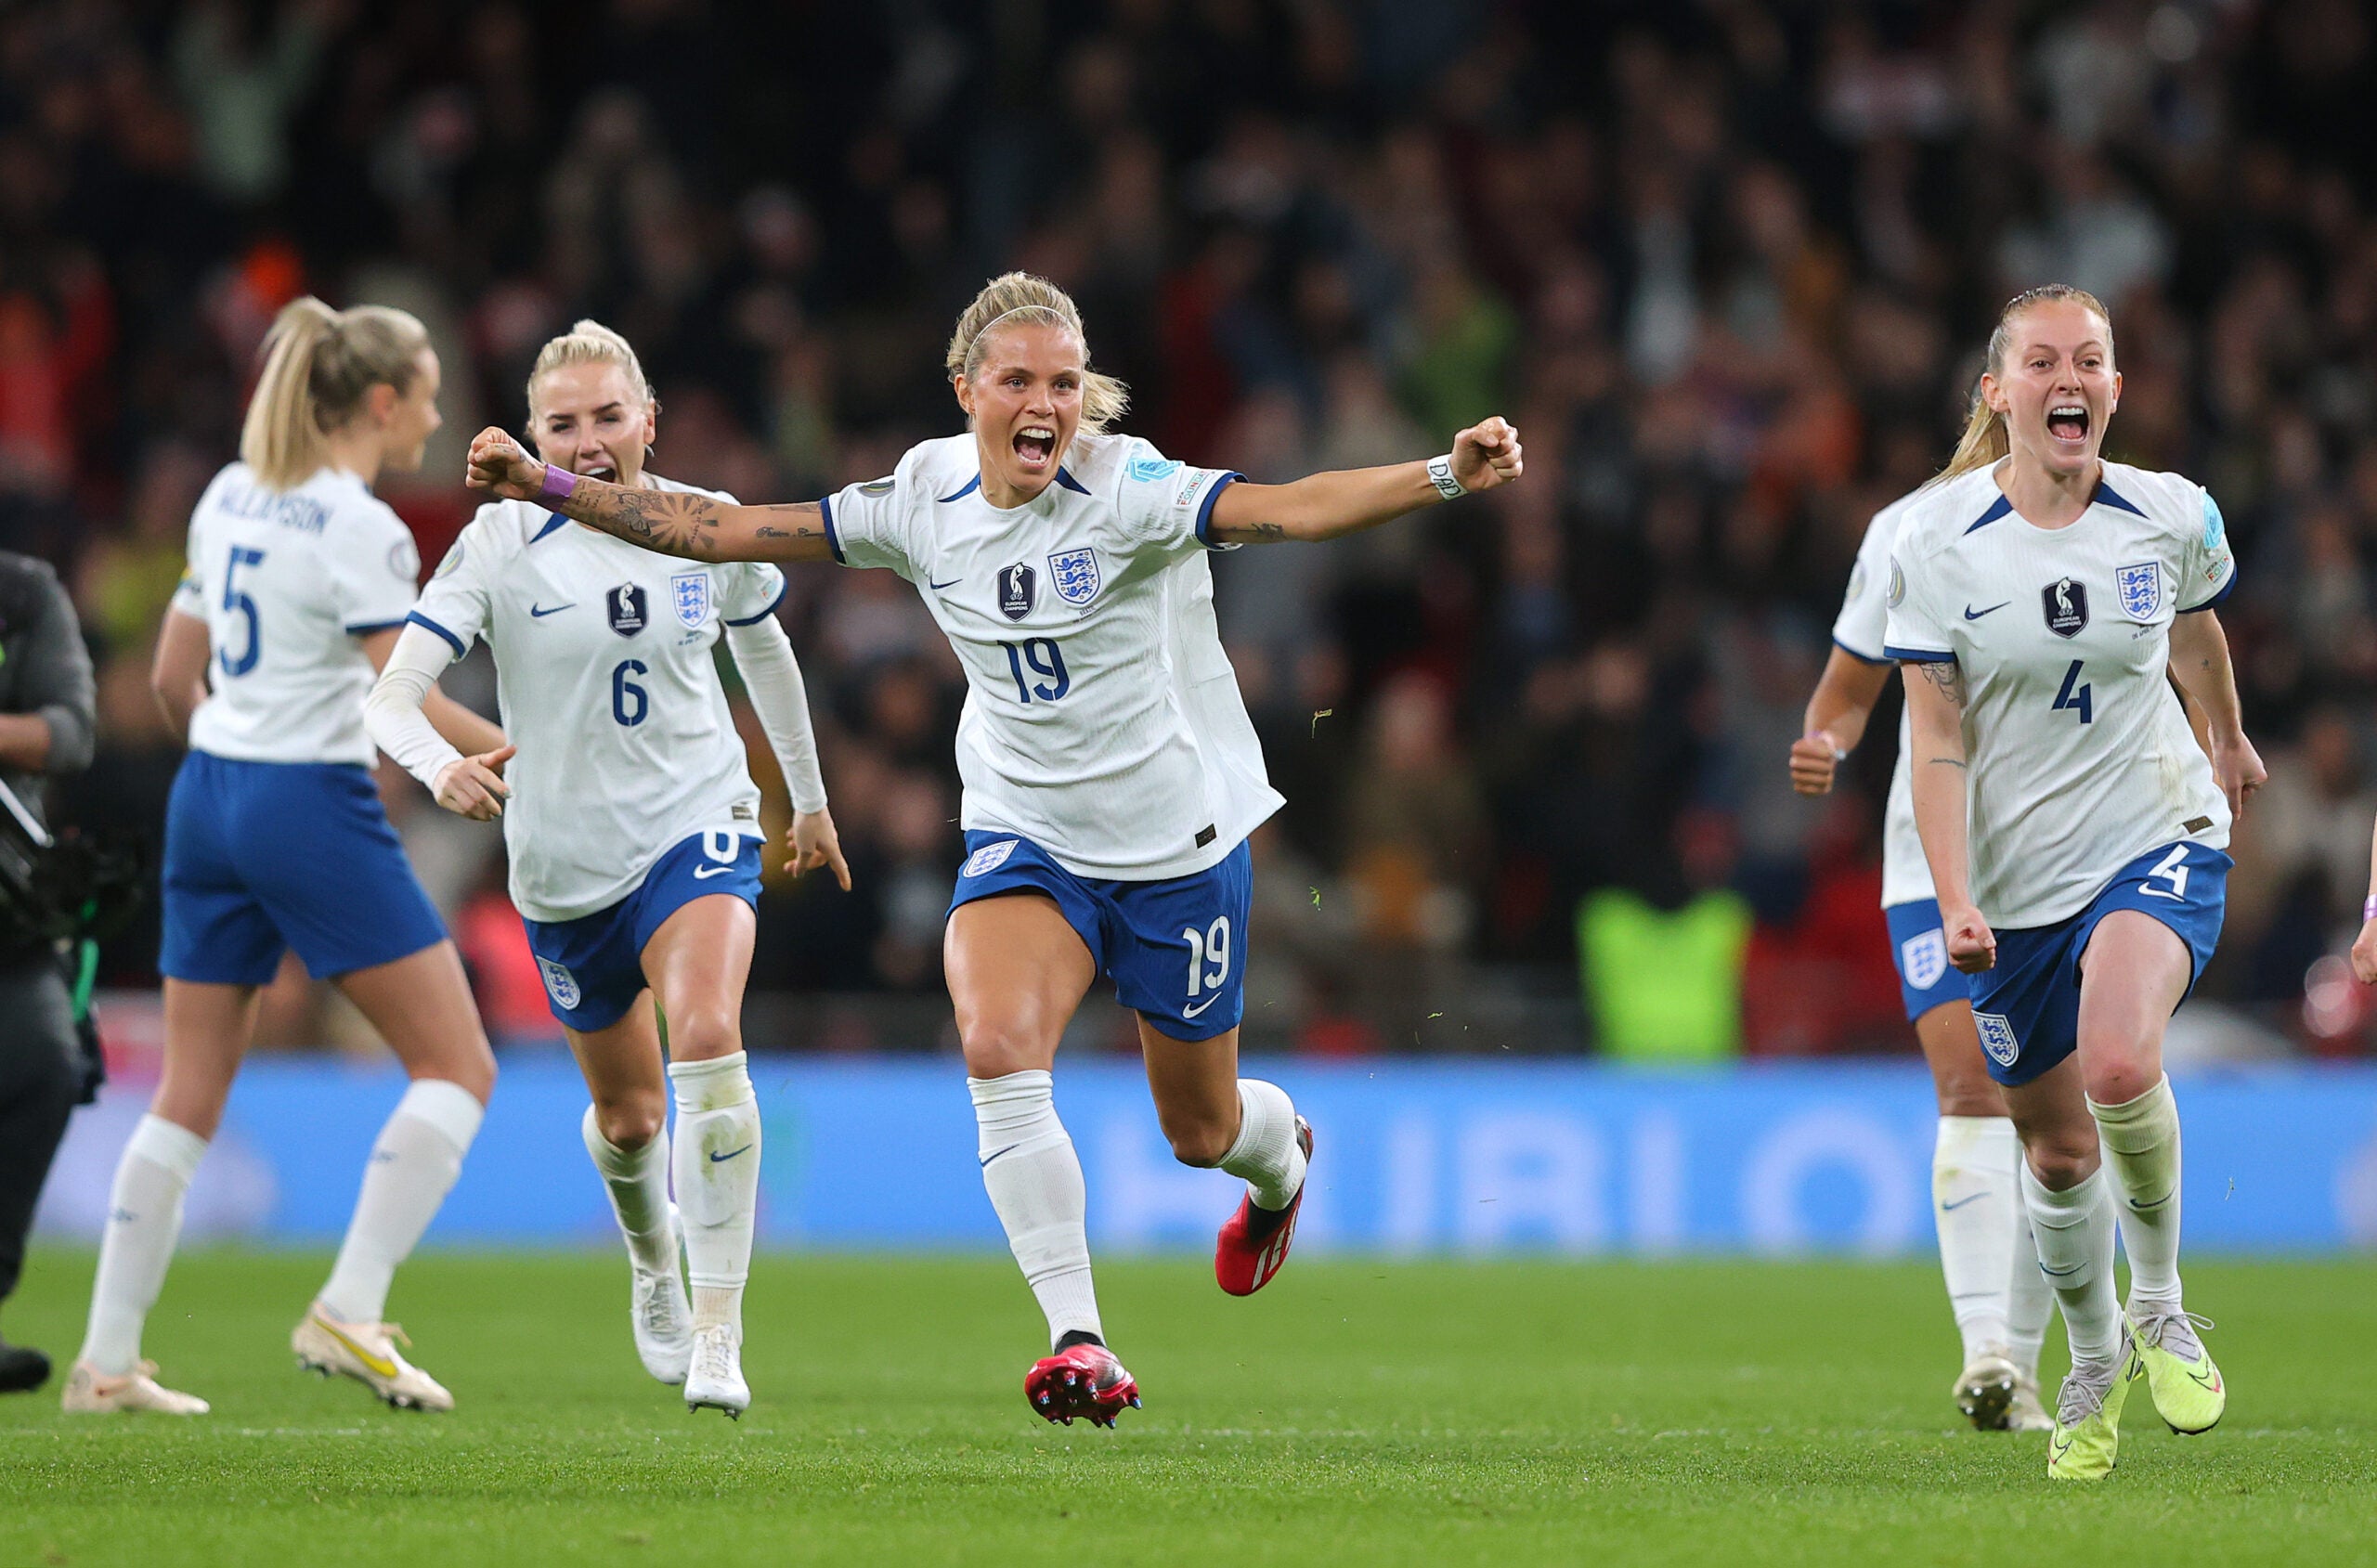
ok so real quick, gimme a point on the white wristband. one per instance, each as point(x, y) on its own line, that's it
point(1440, 475)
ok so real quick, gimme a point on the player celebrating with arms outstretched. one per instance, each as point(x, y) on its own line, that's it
point(633, 827)
point(2040, 597)
point(1112, 775)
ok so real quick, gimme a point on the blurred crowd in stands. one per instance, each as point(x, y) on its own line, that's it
point(1729, 265)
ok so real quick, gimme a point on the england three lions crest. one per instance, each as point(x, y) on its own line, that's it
point(2140, 589)
point(689, 591)
point(1074, 574)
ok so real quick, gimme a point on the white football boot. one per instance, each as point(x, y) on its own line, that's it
point(1985, 1390)
point(663, 1317)
point(714, 1380)
point(2028, 1411)
point(366, 1351)
point(90, 1392)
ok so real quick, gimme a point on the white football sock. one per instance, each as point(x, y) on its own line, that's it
point(1977, 1204)
point(1034, 1177)
point(144, 1221)
point(637, 1180)
point(2029, 1302)
point(2141, 1139)
point(2075, 1230)
point(413, 1165)
point(1266, 1154)
point(717, 1163)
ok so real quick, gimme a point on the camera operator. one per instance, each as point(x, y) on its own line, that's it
point(45, 720)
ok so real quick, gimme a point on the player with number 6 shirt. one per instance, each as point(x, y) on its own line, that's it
point(2042, 601)
point(1112, 775)
point(633, 829)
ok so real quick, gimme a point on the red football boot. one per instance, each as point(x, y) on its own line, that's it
point(1083, 1380)
point(1255, 1243)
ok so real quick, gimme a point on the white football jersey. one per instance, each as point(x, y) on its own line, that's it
point(285, 581)
point(2079, 758)
point(1858, 630)
point(606, 684)
point(1102, 719)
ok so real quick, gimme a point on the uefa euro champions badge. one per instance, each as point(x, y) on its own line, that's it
point(988, 858)
point(1074, 574)
point(1997, 1038)
point(560, 984)
point(1018, 589)
point(2066, 606)
point(1923, 959)
point(2140, 587)
point(1148, 470)
point(690, 592)
point(626, 605)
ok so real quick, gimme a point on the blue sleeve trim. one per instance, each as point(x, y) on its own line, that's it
point(2107, 496)
point(1064, 477)
point(1205, 508)
point(1918, 655)
point(417, 618)
point(1997, 509)
point(365, 628)
point(554, 522)
point(781, 584)
point(1862, 657)
point(832, 539)
point(973, 484)
point(2225, 589)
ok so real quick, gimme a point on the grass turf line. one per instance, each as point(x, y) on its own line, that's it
point(1353, 1412)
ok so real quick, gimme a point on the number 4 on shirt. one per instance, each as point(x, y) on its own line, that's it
point(2075, 695)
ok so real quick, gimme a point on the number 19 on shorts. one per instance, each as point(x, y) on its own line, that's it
point(1208, 956)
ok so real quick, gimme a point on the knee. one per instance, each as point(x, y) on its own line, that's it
point(2062, 1163)
point(995, 1048)
point(704, 1035)
point(630, 1121)
point(2118, 1077)
point(1974, 1096)
point(475, 1070)
point(1202, 1142)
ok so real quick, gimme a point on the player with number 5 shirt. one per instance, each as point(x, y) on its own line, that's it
point(633, 829)
point(1112, 774)
point(2042, 600)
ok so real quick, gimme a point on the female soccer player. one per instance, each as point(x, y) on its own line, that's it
point(1112, 774)
point(298, 580)
point(1994, 1288)
point(2074, 829)
point(633, 829)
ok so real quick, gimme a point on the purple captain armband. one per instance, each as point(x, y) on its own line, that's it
point(559, 485)
point(2368, 909)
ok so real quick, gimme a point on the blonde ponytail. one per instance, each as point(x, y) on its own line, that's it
point(1985, 442)
point(318, 365)
point(590, 343)
point(1023, 300)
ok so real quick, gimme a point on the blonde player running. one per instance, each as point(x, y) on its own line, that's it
point(633, 827)
point(2075, 831)
point(275, 840)
point(1112, 774)
point(1995, 1290)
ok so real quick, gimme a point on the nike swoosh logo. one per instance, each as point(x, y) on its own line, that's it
point(378, 1364)
point(1009, 1149)
point(951, 583)
point(704, 873)
point(539, 612)
point(2060, 1273)
point(1192, 1012)
point(2142, 1208)
point(1951, 1208)
point(723, 1159)
point(1973, 615)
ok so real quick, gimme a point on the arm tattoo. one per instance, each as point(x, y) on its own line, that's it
point(1949, 677)
point(1955, 762)
point(674, 523)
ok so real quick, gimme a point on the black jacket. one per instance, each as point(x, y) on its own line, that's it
point(43, 669)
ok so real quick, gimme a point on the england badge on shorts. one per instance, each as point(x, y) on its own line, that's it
point(560, 984)
point(1074, 574)
point(2140, 587)
point(1997, 1038)
point(1923, 958)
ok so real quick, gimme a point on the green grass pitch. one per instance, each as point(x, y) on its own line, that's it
point(1357, 1412)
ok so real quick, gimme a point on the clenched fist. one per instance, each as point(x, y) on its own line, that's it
point(1488, 454)
point(499, 468)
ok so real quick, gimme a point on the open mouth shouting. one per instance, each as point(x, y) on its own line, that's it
point(2068, 423)
point(1035, 447)
point(607, 472)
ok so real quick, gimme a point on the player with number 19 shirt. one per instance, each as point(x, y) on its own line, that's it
point(1112, 775)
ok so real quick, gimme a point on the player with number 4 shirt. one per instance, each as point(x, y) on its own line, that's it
point(1112, 774)
point(2042, 601)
